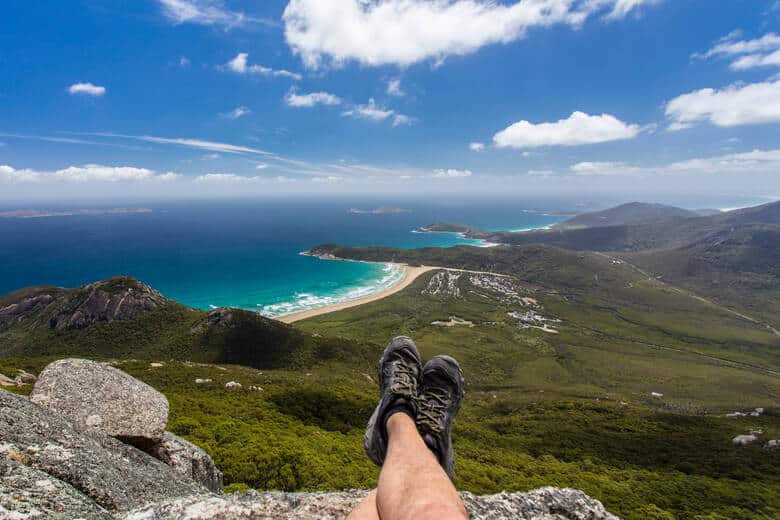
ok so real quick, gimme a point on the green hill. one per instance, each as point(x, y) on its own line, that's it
point(630, 213)
point(122, 318)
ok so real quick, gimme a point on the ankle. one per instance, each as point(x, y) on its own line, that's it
point(399, 421)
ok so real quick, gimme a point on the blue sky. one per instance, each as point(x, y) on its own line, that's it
point(635, 99)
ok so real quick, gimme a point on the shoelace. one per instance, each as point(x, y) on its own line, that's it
point(404, 380)
point(432, 410)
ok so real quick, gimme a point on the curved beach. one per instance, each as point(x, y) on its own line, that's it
point(410, 274)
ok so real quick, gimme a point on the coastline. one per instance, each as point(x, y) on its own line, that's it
point(410, 274)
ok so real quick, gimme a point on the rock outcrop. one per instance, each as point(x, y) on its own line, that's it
point(742, 440)
point(107, 300)
point(120, 298)
point(541, 504)
point(189, 460)
point(116, 476)
point(26, 492)
point(96, 396)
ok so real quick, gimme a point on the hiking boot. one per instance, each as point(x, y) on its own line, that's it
point(441, 392)
point(399, 373)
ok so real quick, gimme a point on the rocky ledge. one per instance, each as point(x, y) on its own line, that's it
point(541, 504)
point(64, 454)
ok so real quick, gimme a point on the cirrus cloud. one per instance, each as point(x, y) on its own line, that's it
point(578, 129)
point(747, 54)
point(237, 112)
point(206, 12)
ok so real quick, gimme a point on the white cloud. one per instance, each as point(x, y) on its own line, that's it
point(394, 88)
point(374, 112)
point(404, 32)
point(757, 60)
point(403, 120)
point(757, 161)
point(199, 144)
point(84, 174)
point(604, 168)
point(195, 143)
point(622, 8)
point(578, 129)
point(330, 179)
point(240, 65)
point(237, 112)
point(754, 103)
point(451, 173)
point(747, 54)
point(294, 99)
point(204, 12)
point(231, 179)
point(368, 111)
point(476, 147)
point(184, 61)
point(261, 166)
point(224, 178)
point(87, 89)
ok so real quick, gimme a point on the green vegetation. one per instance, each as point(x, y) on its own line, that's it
point(583, 369)
point(304, 430)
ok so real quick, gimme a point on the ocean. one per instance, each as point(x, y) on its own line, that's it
point(239, 253)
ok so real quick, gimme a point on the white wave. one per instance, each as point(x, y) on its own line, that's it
point(305, 301)
point(532, 228)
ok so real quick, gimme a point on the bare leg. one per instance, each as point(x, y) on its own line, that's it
point(412, 485)
point(366, 509)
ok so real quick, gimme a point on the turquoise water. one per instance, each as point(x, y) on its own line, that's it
point(244, 254)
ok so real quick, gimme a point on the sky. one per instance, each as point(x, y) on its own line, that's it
point(634, 99)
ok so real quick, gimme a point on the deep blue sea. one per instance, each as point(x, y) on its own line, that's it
point(236, 253)
point(240, 253)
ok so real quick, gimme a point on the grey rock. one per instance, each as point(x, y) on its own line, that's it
point(742, 440)
point(92, 395)
point(232, 385)
point(444, 283)
point(105, 301)
point(6, 381)
point(541, 504)
point(116, 476)
point(189, 460)
point(27, 307)
point(773, 444)
point(29, 493)
point(120, 298)
point(221, 317)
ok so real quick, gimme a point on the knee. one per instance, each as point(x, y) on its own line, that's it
point(439, 512)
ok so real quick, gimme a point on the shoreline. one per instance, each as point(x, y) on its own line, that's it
point(410, 274)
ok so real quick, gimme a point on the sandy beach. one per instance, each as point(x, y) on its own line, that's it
point(410, 275)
